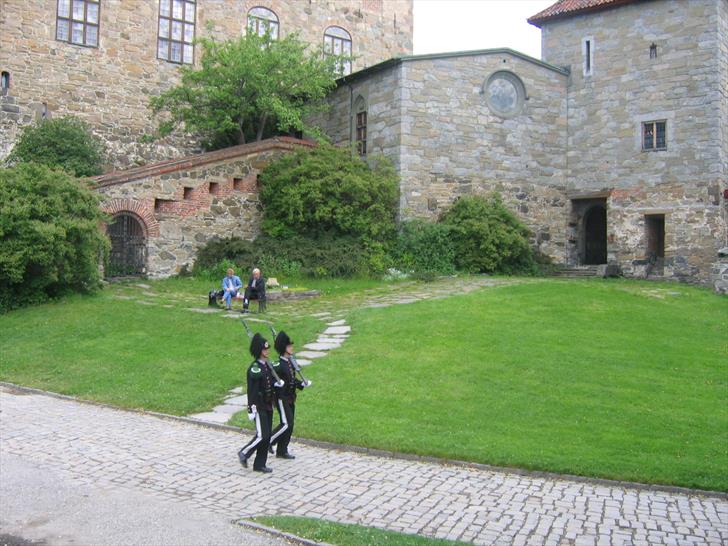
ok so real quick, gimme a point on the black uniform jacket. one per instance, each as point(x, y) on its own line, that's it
point(285, 370)
point(260, 386)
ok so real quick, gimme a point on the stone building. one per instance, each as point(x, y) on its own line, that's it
point(102, 60)
point(613, 149)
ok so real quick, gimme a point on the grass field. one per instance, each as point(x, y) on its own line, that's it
point(347, 535)
point(617, 379)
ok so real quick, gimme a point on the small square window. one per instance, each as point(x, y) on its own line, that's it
point(654, 135)
point(187, 194)
point(214, 188)
point(237, 184)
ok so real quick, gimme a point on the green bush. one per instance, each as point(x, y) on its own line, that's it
point(286, 257)
point(328, 192)
point(488, 238)
point(52, 243)
point(425, 248)
point(65, 142)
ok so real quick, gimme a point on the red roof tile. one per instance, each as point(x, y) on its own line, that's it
point(567, 8)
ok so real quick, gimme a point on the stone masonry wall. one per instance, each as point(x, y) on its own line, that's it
point(109, 86)
point(453, 144)
point(183, 208)
point(683, 84)
point(381, 94)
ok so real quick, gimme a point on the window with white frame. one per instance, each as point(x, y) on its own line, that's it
point(654, 135)
point(175, 42)
point(337, 42)
point(77, 22)
point(261, 21)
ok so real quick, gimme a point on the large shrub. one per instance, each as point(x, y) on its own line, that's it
point(325, 256)
point(51, 237)
point(326, 191)
point(64, 142)
point(425, 248)
point(488, 237)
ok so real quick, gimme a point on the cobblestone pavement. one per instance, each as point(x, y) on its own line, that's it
point(185, 462)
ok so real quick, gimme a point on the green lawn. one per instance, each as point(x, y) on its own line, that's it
point(347, 535)
point(156, 355)
point(617, 379)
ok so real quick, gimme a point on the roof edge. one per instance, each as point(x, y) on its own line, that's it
point(394, 61)
point(192, 161)
point(543, 16)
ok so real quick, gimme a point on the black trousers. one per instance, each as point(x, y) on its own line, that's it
point(251, 294)
point(261, 441)
point(282, 434)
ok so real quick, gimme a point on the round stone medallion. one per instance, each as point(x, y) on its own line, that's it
point(505, 94)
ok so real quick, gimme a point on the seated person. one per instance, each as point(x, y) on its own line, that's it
point(230, 286)
point(254, 290)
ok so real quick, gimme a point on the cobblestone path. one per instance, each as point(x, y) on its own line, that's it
point(193, 464)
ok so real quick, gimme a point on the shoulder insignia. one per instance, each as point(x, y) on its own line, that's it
point(254, 369)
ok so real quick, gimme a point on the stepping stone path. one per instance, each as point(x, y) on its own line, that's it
point(337, 330)
point(236, 401)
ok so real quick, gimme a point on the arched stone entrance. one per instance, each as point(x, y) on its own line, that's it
point(595, 236)
point(128, 245)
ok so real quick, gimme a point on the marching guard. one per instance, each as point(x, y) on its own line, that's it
point(260, 405)
point(286, 402)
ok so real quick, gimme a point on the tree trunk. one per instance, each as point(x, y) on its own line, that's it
point(261, 127)
point(241, 134)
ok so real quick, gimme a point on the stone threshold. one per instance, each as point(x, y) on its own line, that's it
point(638, 486)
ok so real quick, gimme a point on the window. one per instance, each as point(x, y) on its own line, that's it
point(187, 194)
point(654, 135)
point(176, 31)
point(77, 22)
point(214, 188)
point(262, 21)
point(237, 184)
point(361, 133)
point(587, 49)
point(337, 42)
point(4, 82)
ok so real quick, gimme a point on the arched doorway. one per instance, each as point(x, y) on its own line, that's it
point(595, 236)
point(128, 246)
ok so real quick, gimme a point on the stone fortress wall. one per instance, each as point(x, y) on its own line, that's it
point(182, 204)
point(680, 82)
point(109, 86)
point(575, 144)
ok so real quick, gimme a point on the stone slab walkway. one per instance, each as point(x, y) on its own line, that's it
point(188, 463)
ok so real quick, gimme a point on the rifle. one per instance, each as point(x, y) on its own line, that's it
point(279, 382)
point(296, 365)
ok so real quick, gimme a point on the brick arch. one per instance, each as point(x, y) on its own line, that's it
point(141, 209)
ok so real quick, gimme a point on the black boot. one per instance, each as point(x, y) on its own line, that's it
point(243, 459)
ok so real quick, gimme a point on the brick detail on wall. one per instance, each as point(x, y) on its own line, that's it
point(142, 209)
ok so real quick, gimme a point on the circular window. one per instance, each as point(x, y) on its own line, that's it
point(505, 94)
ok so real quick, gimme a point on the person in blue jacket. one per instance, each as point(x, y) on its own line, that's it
point(230, 286)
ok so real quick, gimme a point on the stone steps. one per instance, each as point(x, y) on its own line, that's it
point(578, 271)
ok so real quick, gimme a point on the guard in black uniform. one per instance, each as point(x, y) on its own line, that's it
point(286, 402)
point(260, 405)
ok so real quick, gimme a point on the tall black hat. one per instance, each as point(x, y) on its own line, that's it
point(282, 341)
point(257, 345)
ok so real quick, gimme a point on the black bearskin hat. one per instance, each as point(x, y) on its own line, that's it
point(257, 345)
point(282, 341)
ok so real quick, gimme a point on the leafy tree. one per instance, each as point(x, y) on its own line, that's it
point(488, 237)
point(247, 87)
point(326, 189)
point(63, 142)
point(51, 239)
